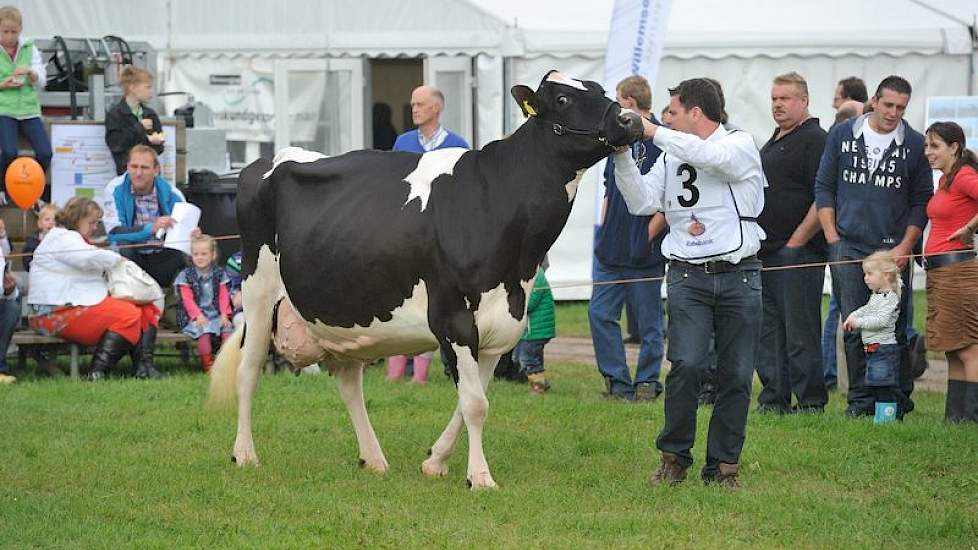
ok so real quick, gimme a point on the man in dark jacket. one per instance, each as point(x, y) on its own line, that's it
point(626, 247)
point(871, 192)
point(789, 357)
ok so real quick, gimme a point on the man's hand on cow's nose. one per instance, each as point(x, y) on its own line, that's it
point(621, 149)
point(648, 129)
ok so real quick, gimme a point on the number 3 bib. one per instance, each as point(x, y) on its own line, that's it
point(702, 214)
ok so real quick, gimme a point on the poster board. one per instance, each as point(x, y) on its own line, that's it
point(960, 109)
point(82, 163)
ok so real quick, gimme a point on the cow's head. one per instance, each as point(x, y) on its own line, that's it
point(579, 110)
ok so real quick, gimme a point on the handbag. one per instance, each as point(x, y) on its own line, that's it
point(128, 281)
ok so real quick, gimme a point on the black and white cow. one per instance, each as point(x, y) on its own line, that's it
point(370, 254)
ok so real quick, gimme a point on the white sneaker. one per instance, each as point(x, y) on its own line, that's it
point(312, 369)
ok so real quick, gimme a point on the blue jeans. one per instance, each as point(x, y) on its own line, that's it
point(852, 293)
point(9, 319)
point(529, 354)
point(789, 358)
point(604, 315)
point(828, 343)
point(701, 305)
point(33, 129)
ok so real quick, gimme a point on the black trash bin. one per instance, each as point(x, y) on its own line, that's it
point(215, 196)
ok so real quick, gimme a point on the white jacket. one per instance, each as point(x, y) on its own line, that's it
point(68, 270)
point(715, 183)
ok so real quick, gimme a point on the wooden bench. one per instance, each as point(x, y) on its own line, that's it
point(31, 338)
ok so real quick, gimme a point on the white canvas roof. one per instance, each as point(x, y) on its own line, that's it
point(710, 28)
point(720, 28)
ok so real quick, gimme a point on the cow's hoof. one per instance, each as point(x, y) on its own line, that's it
point(434, 468)
point(481, 480)
point(374, 466)
point(244, 458)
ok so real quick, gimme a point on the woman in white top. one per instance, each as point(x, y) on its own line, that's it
point(69, 295)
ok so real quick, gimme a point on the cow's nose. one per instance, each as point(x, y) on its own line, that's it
point(625, 121)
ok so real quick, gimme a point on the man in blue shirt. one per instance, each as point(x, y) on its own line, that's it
point(427, 103)
point(628, 247)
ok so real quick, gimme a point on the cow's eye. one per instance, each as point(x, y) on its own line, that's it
point(562, 100)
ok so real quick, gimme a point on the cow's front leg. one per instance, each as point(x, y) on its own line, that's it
point(436, 465)
point(350, 382)
point(475, 408)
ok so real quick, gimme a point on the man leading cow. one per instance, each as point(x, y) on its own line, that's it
point(710, 184)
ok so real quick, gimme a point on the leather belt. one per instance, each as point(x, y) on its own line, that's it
point(941, 260)
point(720, 266)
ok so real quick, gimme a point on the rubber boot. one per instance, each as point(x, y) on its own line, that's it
point(421, 364)
point(108, 351)
point(970, 402)
point(206, 361)
point(954, 404)
point(143, 355)
point(395, 367)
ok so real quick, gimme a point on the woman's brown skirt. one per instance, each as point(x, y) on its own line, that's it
point(952, 306)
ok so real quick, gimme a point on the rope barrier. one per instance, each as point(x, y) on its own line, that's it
point(908, 257)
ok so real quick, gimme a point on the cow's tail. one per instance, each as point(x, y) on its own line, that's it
point(224, 373)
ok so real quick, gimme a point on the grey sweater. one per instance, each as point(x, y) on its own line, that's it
point(877, 319)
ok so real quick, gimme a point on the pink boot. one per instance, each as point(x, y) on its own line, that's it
point(395, 367)
point(421, 363)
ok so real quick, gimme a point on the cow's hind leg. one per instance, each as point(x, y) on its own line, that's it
point(349, 379)
point(259, 295)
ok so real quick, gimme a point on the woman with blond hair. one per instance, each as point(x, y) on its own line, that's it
point(69, 295)
point(131, 122)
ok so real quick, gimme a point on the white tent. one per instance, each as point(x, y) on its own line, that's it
point(312, 59)
point(744, 45)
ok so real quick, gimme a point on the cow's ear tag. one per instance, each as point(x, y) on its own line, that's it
point(529, 108)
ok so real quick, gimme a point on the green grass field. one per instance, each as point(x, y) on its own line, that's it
point(128, 464)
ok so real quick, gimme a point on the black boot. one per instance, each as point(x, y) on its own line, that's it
point(969, 403)
point(954, 404)
point(143, 355)
point(107, 353)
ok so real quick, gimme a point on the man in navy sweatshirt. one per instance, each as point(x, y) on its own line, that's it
point(871, 191)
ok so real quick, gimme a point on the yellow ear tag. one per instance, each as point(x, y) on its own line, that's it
point(529, 110)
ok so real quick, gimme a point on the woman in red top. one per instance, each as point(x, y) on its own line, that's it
point(952, 270)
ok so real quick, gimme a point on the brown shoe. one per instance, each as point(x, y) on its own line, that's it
point(727, 475)
point(538, 383)
point(669, 472)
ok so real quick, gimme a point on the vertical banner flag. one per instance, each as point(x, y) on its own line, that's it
point(635, 40)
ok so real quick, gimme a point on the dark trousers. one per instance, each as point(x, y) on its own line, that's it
point(789, 360)
point(852, 293)
point(33, 130)
point(162, 266)
point(701, 305)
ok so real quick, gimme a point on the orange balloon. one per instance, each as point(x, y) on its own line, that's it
point(25, 182)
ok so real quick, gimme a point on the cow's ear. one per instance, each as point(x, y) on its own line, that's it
point(526, 99)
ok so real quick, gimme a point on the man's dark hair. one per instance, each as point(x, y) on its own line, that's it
point(854, 88)
point(700, 92)
point(895, 83)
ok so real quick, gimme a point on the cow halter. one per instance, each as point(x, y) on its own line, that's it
point(598, 134)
